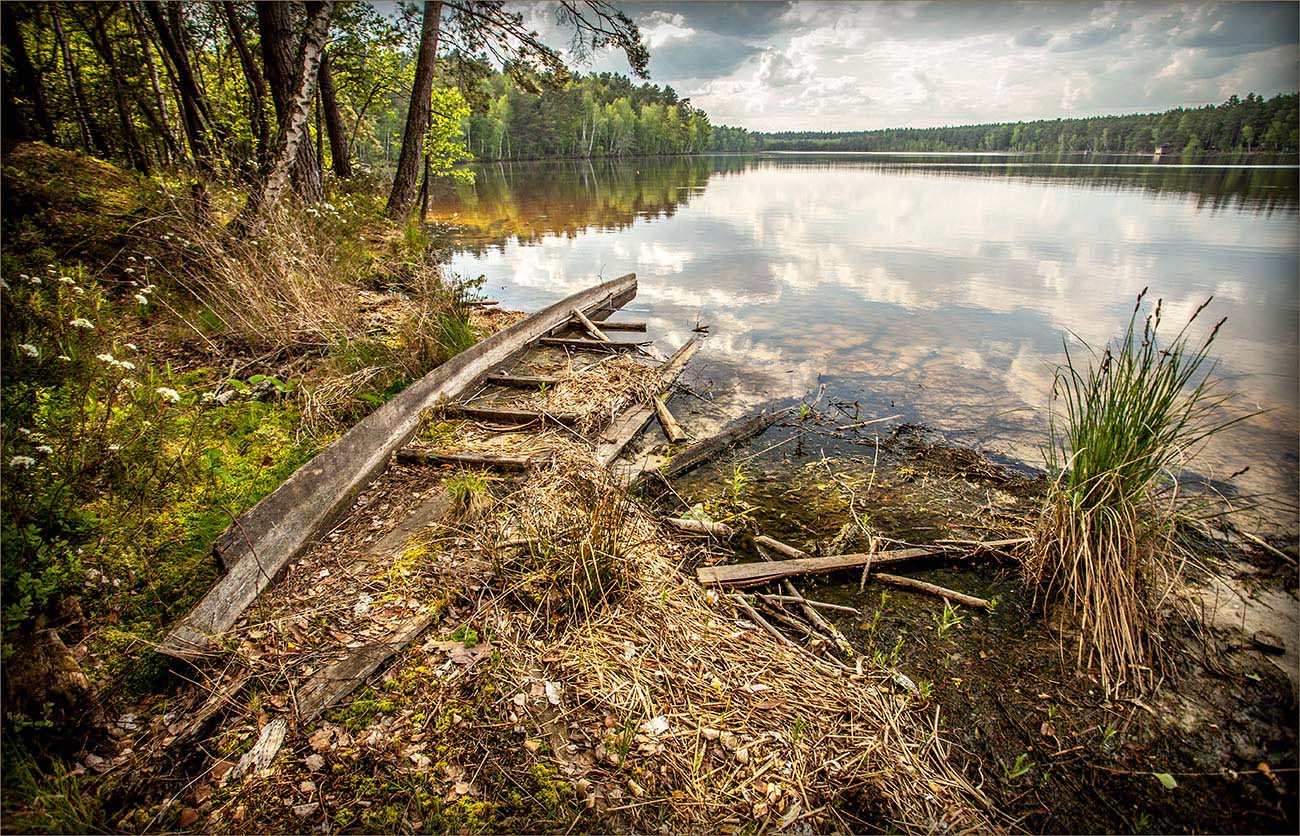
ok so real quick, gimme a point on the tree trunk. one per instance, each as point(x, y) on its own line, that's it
point(255, 82)
point(402, 198)
point(275, 23)
point(161, 121)
point(22, 85)
point(91, 140)
point(297, 107)
point(194, 109)
point(334, 121)
point(99, 40)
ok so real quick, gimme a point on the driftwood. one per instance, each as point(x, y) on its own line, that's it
point(625, 428)
point(589, 345)
point(722, 531)
point(622, 326)
point(930, 588)
point(521, 381)
point(261, 542)
point(672, 429)
point(590, 326)
point(507, 416)
point(329, 686)
point(754, 574)
point(700, 452)
point(415, 455)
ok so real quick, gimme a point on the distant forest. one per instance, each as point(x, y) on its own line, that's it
point(1249, 124)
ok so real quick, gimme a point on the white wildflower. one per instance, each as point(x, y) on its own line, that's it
point(82, 322)
point(148, 258)
point(80, 291)
point(65, 358)
point(126, 364)
point(24, 431)
point(66, 280)
point(34, 279)
point(132, 346)
point(115, 447)
point(142, 299)
point(130, 270)
point(130, 383)
point(170, 395)
point(45, 448)
point(30, 350)
point(22, 461)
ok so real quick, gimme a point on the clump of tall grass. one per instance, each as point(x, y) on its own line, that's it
point(1107, 543)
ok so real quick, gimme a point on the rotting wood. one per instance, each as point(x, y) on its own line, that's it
point(590, 345)
point(260, 542)
point(329, 686)
point(754, 574)
point(722, 531)
point(672, 429)
point(590, 326)
point(781, 548)
point(521, 381)
point(700, 452)
point(431, 510)
point(416, 455)
point(625, 428)
point(508, 416)
point(930, 588)
point(623, 326)
point(263, 752)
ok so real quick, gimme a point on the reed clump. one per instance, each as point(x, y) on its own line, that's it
point(1107, 544)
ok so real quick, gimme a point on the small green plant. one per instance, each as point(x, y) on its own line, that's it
point(1018, 769)
point(464, 634)
point(925, 689)
point(737, 483)
point(468, 490)
point(948, 620)
point(1108, 733)
point(805, 412)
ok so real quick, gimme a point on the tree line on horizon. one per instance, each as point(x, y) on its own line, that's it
point(1249, 124)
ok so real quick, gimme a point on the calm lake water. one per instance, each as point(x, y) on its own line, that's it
point(933, 287)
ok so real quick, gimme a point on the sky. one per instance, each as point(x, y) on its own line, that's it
point(775, 66)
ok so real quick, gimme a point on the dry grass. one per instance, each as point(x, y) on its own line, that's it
point(1107, 544)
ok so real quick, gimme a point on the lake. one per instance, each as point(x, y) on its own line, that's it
point(933, 287)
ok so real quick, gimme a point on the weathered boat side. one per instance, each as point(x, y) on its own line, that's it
point(261, 542)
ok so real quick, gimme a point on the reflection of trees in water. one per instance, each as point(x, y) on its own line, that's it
point(1250, 188)
point(529, 201)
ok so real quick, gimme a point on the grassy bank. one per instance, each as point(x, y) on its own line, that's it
point(160, 376)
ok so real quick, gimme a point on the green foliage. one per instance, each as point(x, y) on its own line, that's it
point(949, 619)
point(1252, 123)
point(48, 798)
point(1019, 768)
point(444, 142)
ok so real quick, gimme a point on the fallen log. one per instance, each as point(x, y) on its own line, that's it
point(508, 416)
point(672, 429)
point(262, 541)
point(590, 326)
point(589, 345)
point(700, 452)
point(414, 455)
point(722, 531)
point(622, 326)
point(625, 428)
point(930, 588)
point(521, 381)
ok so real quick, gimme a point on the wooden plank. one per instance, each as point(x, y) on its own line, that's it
point(622, 326)
point(672, 429)
point(700, 452)
point(589, 345)
point(590, 326)
point(324, 690)
point(754, 574)
point(508, 416)
point(625, 428)
point(521, 381)
point(433, 508)
point(262, 541)
point(416, 455)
